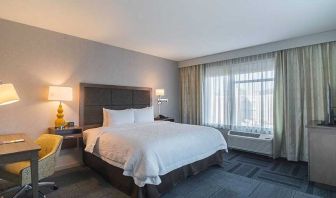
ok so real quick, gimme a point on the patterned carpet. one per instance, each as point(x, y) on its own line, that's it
point(244, 175)
point(293, 175)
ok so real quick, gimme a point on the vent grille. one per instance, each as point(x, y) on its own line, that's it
point(254, 135)
point(252, 142)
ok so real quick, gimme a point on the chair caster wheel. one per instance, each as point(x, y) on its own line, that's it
point(54, 187)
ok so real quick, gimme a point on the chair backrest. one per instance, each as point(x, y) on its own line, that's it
point(50, 144)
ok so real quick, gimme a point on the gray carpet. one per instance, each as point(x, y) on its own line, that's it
point(244, 175)
point(293, 175)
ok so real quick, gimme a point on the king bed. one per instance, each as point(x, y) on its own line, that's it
point(143, 159)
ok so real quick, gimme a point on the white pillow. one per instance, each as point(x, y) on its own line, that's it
point(118, 117)
point(144, 115)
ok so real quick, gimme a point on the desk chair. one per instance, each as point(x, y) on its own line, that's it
point(19, 172)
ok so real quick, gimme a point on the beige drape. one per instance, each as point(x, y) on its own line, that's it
point(190, 88)
point(300, 95)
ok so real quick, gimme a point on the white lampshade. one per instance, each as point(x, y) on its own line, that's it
point(8, 94)
point(60, 93)
point(159, 92)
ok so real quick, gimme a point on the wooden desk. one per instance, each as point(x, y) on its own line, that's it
point(21, 151)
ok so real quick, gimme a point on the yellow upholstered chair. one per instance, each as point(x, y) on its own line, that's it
point(19, 172)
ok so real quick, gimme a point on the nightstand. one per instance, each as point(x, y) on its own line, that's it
point(72, 136)
point(164, 119)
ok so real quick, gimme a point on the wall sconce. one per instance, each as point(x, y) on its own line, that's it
point(160, 100)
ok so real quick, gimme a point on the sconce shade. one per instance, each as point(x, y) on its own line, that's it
point(159, 92)
point(8, 94)
point(60, 93)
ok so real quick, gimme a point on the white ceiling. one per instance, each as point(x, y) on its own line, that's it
point(176, 29)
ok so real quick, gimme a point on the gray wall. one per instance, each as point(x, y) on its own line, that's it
point(33, 58)
point(260, 49)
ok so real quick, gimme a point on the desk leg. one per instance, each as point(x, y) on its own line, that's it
point(34, 174)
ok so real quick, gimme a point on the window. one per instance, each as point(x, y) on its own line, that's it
point(253, 101)
point(239, 94)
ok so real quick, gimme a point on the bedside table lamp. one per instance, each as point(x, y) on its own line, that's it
point(60, 94)
point(160, 93)
point(8, 94)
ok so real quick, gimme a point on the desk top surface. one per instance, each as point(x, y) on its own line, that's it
point(27, 146)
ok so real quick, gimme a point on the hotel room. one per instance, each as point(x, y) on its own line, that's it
point(179, 98)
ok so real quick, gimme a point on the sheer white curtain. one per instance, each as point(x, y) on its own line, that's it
point(238, 93)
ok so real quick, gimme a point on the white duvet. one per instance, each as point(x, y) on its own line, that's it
point(147, 150)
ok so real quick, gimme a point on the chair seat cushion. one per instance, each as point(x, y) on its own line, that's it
point(16, 168)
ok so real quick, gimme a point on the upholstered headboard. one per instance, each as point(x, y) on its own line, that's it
point(95, 97)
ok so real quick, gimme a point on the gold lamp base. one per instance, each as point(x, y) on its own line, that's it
point(59, 122)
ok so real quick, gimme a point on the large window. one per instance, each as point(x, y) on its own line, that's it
point(239, 94)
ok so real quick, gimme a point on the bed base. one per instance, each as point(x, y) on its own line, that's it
point(114, 175)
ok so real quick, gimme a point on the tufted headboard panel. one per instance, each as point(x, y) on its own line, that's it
point(95, 97)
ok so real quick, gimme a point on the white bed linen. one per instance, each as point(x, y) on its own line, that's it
point(147, 150)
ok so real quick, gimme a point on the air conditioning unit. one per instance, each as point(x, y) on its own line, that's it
point(252, 142)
